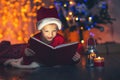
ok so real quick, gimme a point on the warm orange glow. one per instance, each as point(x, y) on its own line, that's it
point(99, 59)
point(70, 13)
point(18, 19)
point(19, 38)
point(83, 62)
point(35, 1)
point(43, 4)
point(67, 18)
point(51, 6)
point(72, 2)
point(73, 36)
point(1, 36)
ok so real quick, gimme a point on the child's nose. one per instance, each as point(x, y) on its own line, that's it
point(50, 34)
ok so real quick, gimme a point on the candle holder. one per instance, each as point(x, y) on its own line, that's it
point(99, 62)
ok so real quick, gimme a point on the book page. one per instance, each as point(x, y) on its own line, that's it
point(64, 45)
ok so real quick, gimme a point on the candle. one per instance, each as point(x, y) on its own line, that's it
point(99, 61)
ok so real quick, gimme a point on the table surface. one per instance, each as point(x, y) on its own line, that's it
point(110, 71)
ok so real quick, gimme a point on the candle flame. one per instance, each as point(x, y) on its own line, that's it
point(99, 57)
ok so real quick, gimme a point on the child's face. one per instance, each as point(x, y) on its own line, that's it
point(49, 31)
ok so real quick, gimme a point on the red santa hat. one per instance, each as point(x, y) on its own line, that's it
point(47, 16)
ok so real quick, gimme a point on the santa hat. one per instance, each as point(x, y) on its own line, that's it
point(47, 16)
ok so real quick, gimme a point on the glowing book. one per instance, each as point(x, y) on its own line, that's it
point(46, 54)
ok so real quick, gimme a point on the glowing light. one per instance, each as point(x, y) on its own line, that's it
point(17, 19)
point(67, 18)
point(19, 38)
point(82, 41)
point(90, 19)
point(1, 36)
point(35, 1)
point(72, 3)
point(43, 4)
point(81, 28)
point(51, 6)
point(70, 13)
point(76, 18)
point(65, 5)
point(91, 50)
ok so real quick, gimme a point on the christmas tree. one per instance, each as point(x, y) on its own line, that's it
point(83, 14)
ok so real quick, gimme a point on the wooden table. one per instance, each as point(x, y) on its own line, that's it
point(110, 71)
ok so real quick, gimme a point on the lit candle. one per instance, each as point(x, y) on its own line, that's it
point(99, 61)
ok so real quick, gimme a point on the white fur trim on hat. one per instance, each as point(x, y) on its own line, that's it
point(47, 21)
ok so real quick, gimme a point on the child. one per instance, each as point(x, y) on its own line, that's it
point(48, 27)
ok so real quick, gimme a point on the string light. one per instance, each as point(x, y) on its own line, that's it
point(70, 13)
point(82, 41)
point(65, 5)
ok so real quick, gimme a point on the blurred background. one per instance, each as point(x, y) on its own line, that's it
point(80, 18)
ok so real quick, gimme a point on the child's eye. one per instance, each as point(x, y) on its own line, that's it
point(54, 30)
point(46, 31)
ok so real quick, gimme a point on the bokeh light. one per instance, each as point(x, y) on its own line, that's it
point(18, 19)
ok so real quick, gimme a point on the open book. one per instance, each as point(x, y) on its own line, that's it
point(46, 54)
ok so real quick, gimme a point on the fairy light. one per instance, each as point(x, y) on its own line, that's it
point(65, 5)
point(67, 18)
point(72, 3)
point(51, 6)
point(81, 28)
point(82, 41)
point(70, 13)
point(90, 19)
point(1, 36)
point(76, 18)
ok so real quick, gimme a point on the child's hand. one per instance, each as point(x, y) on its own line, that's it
point(76, 57)
point(29, 52)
